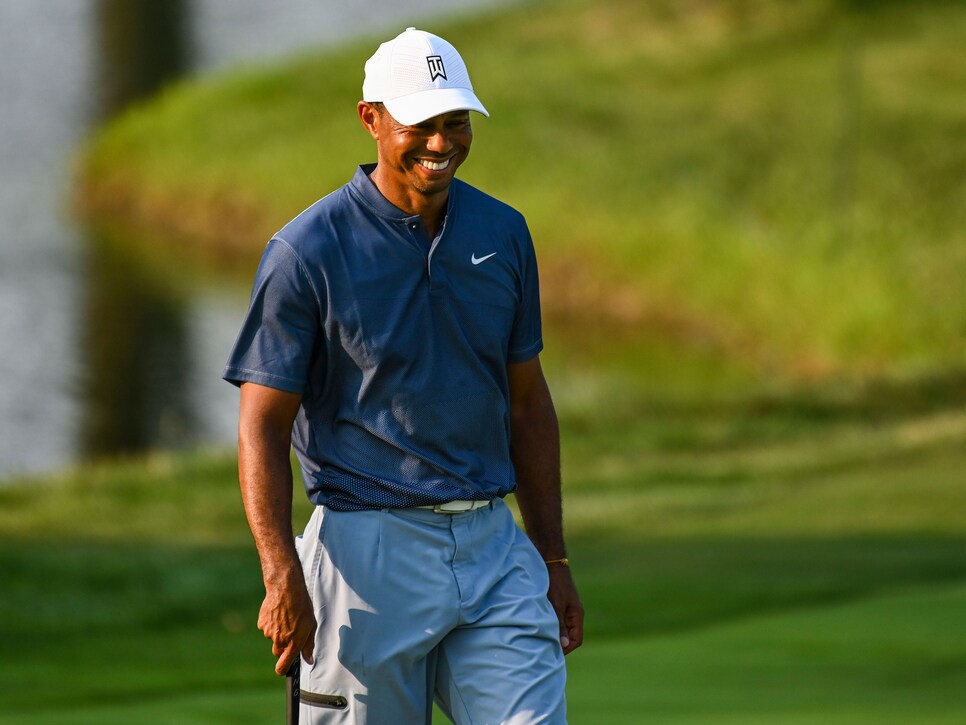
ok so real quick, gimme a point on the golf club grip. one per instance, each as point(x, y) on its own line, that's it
point(292, 695)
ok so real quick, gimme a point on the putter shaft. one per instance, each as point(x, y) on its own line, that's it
point(292, 694)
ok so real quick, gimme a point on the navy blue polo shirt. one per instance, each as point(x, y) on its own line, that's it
point(398, 344)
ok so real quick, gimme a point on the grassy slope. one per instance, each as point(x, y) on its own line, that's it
point(783, 182)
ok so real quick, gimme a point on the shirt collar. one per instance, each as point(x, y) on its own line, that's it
point(362, 185)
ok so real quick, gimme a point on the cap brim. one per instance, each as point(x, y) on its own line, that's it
point(417, 107)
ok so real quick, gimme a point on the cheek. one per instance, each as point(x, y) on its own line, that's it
point(464, 139)
point(393, 147)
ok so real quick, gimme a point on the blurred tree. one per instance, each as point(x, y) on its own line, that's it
point(142, 44)
point(135, 339)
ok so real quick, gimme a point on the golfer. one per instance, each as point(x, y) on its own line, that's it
point(393, 340)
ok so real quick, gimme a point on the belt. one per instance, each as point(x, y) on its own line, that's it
point(455, 507)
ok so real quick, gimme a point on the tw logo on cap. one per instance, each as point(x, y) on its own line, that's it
point(436, 69)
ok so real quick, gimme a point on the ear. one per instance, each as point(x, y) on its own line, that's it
point(370, 118)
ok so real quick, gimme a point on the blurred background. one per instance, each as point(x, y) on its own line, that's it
point(750, 217)
point(91, 344)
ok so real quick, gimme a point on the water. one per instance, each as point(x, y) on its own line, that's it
point(99, 356)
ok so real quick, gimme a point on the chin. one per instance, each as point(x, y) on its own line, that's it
point(433, 189)
point(431, 186)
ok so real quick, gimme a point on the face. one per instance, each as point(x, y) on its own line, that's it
point(417, 161)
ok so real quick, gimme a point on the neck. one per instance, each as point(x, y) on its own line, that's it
point(429, 206)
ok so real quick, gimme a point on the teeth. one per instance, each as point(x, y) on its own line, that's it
point(432, 165)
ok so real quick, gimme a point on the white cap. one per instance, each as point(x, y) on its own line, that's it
point(418, 75)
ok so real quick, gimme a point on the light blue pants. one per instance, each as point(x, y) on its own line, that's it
point(415, 605)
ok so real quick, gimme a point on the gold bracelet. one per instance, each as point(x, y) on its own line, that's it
point(565, 562)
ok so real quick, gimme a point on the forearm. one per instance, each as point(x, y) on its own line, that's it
point(535, 451)
point(265, 476)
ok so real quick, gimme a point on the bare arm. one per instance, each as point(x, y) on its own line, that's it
point(265, 472)
point(535, 450)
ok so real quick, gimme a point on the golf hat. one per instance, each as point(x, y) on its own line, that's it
point(418, 75)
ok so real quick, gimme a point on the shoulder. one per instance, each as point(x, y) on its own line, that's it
point(476, 203)
point(296, 254)
point(318, 225)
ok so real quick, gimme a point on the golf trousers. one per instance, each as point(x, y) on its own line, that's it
point(415, 606)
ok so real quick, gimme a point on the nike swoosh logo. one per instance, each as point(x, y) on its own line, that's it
point(478, 260)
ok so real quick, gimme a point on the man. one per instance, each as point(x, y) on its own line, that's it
point(393, 340)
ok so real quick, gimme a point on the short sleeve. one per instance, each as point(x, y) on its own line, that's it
point(526, 339)
point(279, 335)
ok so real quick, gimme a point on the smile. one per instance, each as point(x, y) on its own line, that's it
point(433, 165)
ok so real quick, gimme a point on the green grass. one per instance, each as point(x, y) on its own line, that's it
point(771, 561)
point(895, 657)
point(750, 220)
point(783, 183)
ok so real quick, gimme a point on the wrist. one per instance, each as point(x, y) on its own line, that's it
point(281, 572)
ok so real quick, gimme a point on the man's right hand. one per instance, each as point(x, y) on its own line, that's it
point(288, 619)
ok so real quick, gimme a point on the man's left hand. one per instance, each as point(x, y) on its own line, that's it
point(566, 602)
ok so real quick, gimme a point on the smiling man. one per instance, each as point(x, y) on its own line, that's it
point(393, 340)
point(417, 162)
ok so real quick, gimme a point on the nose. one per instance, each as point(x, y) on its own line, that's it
point(439, 142)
